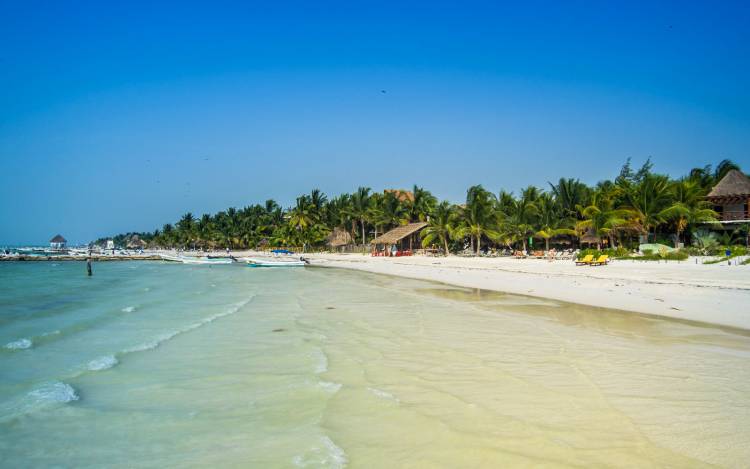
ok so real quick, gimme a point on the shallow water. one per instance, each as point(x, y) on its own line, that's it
point(152, 365)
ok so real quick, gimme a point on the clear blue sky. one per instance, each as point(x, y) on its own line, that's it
point(123, 117)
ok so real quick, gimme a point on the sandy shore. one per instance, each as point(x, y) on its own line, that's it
point(716, 294)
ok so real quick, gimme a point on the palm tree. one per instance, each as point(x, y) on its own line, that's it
point(478, 217)
point(440, 226)
point(360, 202)
point(688, 206)
point(723, 168)
point(648, 199)
point(424, 202)
point(186, 227)
point(551, 220)
point(602, 218)
point(519, 215)
point(570, 193)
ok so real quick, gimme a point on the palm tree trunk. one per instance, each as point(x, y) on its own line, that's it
point(445, 244)
point(546, 244)
point(364, 240)
point(479, 243)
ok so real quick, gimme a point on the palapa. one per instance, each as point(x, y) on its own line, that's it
point(398, 233)
point(734, 185)
point(339, 237)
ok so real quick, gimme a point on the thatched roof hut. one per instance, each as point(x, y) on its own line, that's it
point(731, 197)
point(58, 242)
point(734, 185)
point(401, 194)
point(399, 233)
point(339, 237)
point(136, 242)
point(590, 237)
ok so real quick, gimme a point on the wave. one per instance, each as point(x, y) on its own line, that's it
point(170, 335)
point(324, 454)
point(327, 386)
point(19, 344)
point(322, 365)
point(50, 394)
point(128, 309)
point(383, 395)
point(103, 363)
point(54, 392)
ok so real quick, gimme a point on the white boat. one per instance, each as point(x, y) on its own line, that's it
point(206, 260)
point(196, 260)
point(272, 262)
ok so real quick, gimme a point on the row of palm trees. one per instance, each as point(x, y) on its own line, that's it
point(635, 204)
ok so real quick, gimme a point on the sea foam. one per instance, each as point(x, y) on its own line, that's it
point(19, 344)
point(128, 309)
point(170, 335)
point(54, 392)
point(324, 454)
point(327, 386)
point(102, 363)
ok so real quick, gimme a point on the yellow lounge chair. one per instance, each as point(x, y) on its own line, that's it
point(586, 260)
point(603, 260)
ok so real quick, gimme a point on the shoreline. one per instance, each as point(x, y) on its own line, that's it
point(716, 294)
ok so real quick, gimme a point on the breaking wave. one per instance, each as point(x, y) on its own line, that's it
point(324, 454)
point(128, 309)
point(19, 344)
point(103, 363)
point(170, 335)
point(53, 393)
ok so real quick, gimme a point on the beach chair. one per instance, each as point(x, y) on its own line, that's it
point(586, 260)
point(603, 260)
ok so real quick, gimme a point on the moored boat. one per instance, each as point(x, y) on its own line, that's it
point(275, 262)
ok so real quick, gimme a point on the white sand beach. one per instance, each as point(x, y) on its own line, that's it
point(716, 293)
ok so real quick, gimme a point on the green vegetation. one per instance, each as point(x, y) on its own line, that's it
point(612, 216)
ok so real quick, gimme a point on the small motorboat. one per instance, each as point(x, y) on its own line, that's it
point(272, 262)
point(196, 260)
point(206, 260)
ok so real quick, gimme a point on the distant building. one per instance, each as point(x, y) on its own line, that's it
point(731, 198)
point(110, 244)
point(401, 195)
point(136, 243)
point(58, 242)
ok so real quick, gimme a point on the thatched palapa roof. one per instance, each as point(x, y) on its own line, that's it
point(398, 233)
point(401, 194)
point(590, 237)
point(734, 185)
point(58, 239)
point(136, 242)
point(339, 237)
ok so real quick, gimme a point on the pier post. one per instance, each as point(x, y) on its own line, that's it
point(88, 266)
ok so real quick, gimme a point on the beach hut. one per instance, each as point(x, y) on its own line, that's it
point(400, 241)
point(401, 194)
point(136, 242)
point(590, 237)
point(731, 198)
point(339, 238)
point(58, 242)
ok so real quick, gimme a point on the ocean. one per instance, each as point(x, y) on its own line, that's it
point(151, 364)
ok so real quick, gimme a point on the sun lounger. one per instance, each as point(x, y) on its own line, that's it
point(603, 260)
point(586, 260)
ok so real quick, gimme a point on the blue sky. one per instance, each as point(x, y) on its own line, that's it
point(123, 117)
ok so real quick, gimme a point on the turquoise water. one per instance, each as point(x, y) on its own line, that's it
point(151, 364)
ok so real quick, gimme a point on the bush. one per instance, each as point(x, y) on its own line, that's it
point(614, 253)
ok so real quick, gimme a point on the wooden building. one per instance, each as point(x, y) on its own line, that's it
point(731, 198)
point(339, 238)
point(400, 241)
point(58, 242)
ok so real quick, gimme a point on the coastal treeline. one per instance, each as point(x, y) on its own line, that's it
point(638, 204)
